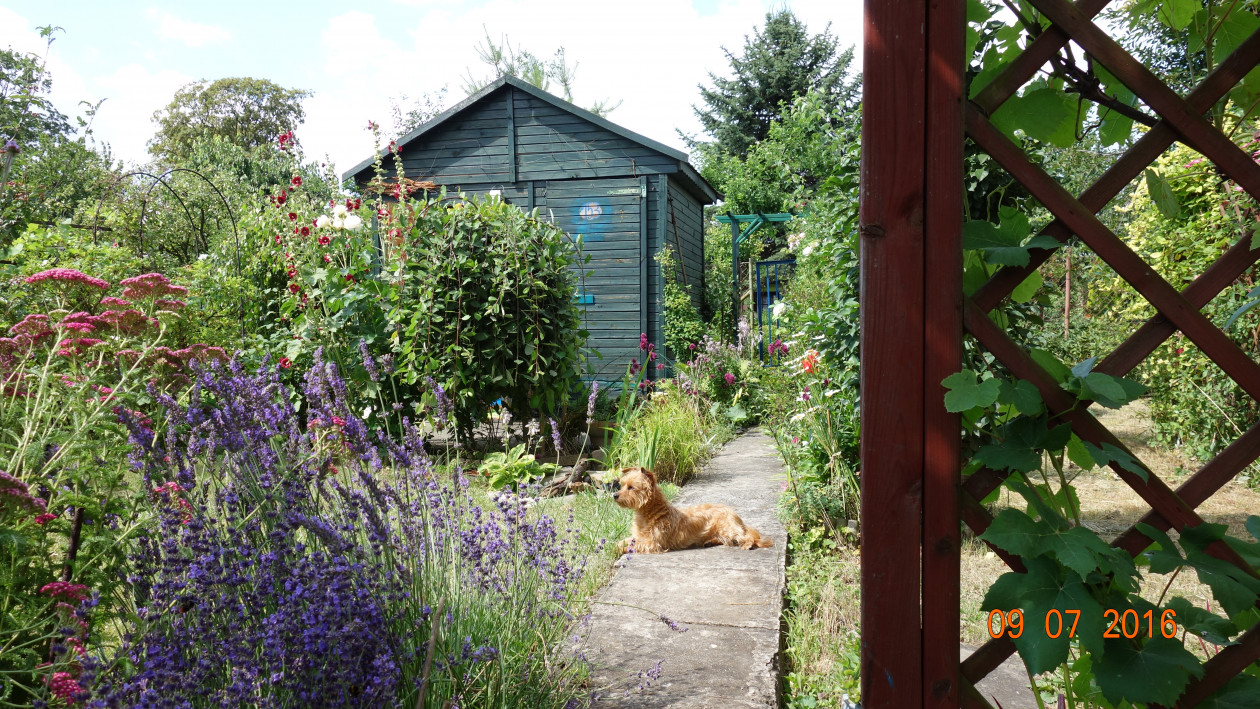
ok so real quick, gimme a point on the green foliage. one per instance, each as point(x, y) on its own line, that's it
point(245, 111)
point(669, 435)
point(513, 468)
point(683, 325)
point(823, 649)
point(50, 167)
point(780, 62)
point(506, 60)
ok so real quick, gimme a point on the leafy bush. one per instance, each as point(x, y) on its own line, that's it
point(475, 294)
point(683, 324)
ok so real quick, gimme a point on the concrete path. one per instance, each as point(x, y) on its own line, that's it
point(728, 600)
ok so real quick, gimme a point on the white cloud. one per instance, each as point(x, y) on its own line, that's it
point(651, 55)
point(132, 94)
point(191, 34)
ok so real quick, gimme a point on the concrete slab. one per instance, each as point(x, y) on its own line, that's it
point(1006, 686)
point(726, 602)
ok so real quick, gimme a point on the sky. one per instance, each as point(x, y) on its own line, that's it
point(649, 54)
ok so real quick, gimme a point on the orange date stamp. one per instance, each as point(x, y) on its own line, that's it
point(1123, 624)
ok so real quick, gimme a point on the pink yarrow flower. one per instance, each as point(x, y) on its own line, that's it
point(63, 685)
point(65, 590)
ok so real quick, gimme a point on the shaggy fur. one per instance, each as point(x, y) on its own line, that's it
point(659, 526)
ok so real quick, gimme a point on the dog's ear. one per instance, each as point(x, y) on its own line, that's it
point(649, 474)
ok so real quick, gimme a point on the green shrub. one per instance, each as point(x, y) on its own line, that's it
point(683, 325)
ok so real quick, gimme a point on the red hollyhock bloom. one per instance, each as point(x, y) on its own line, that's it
point(277, 239)
point(327, 258)
point(306, 231)
point(285, 363)
point(292, 216)
point(293, 288)
point(324, 240)
point(297, 181)
point(291, 273)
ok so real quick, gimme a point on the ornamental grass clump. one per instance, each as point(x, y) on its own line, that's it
point(319, 564)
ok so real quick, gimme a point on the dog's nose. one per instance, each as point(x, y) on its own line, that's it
point(615, 494)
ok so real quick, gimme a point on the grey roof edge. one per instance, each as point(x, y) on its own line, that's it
point(701, 184)
point(554, 101)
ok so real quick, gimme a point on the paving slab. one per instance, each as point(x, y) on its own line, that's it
point(726, 602)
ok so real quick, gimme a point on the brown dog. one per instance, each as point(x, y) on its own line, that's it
point(659, 526)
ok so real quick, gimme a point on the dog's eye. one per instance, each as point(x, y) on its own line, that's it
point(629, 487)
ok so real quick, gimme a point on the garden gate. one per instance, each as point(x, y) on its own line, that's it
point(772, 278)
point(914, 315)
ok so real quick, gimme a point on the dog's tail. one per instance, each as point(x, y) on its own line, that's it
point(759, 542)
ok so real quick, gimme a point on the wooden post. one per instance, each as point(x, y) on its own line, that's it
point(910, 339)
point(1067, 289)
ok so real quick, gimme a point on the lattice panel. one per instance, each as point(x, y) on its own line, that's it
point(1180, 120)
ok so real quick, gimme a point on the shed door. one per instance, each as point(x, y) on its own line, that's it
point(607, 213)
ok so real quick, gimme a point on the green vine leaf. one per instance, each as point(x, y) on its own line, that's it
point(965, 392)
point(1162, 194)
point(1202, 622)
point(1177, 13)
point(1156, 673)
point(1111, 453)
point(1022, 395)
point(1009, 456)
point(1241, 692)
point(1079, 549)
point(1078, 454)
point(1038, 592)
point(1016, 532)
point(1164, 556)
point(1051, 364)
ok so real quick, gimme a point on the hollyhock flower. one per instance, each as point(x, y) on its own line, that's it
point(324, 240)
point(306, 231)
point(67, 275)
point(296, 181)
point(285, 363)
point(277, 239)
point(291, 273)
point(322, 221)
point(294, 288)
point(293, 216)
point(327, 258)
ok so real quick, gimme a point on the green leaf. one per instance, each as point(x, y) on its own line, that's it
point(1051, 364)
point(1016, 532)
point(1178, 13)
point(1027, 288)
point(1202, 622)
point(1105, 390)
point(1078, 454)
point(1253, 526)
point(1115, 128)
point(1241, 692)
point(1162, 194)
point(1044, 114)
point(966, 393)
point(1164, 555)
point(1009, 456)
point(1078, 549)
point(1156, 673)
point(1042, 589)
point(1022, 395)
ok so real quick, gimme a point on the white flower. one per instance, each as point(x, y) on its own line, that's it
point(353, 222)
point(777, 310)
point(322, 221)
point(339, 210)
point(808, 250)
point(338, 222)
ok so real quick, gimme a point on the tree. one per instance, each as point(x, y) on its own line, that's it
point(242, 110)
point(779, 63)
point(507, 60)
point(407, 113)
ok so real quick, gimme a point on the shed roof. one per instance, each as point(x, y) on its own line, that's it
point(685, 170)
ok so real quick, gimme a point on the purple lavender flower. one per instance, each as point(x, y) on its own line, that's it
point(369, 363)
point(387, 363)
point(555, 435)
point(590, 403)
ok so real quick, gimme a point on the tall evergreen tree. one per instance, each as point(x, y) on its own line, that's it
point(780, 62)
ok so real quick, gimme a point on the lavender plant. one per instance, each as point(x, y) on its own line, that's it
point(303, 561)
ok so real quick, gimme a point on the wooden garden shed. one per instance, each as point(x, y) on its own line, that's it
point(625, 194)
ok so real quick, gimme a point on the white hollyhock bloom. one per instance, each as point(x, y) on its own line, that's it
point(339, 210)
point(353, 222)
point(322, 221)
point(777, 310)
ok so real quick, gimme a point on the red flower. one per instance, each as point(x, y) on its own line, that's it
point(293, 288)
point(1180, 350)
point(324, 240)
point(306, 231)
point(285, 363)
point(291, 273)
point(280, 199)
point(45, 518)
point(297, 181)
point(327, 258)
point(277, 239)
point(350, 277)
point(292, 216)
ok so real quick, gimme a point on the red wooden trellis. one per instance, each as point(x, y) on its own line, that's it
point(914, 316)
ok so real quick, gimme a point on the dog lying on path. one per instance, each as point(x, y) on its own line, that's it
point(659, 526)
